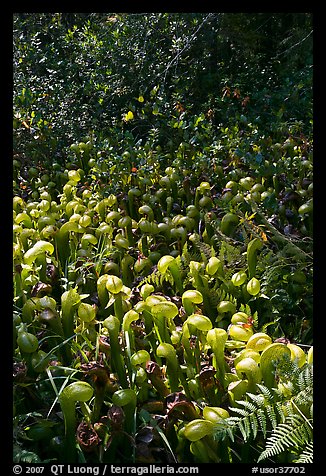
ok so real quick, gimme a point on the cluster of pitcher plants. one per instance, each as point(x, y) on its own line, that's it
point(145, 313)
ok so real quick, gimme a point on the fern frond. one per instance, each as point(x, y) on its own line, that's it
point(294, 433)
point(268, 394)
point(279, 413)
point(288, 408)
point(259, 400)
point(225, 428)
point(244, 428)
point(261, 417)
point(216, 294)
point(206, 251)
point(250, 407)
point(254, 423)
point(305, 396)
point(157, 279)
point(305, 383)
point(231, 255)
point(224, 296)
point(270, 410)
point(288, 369)
point(300, 382)
point(240, 411)
point(307, 455)
point(252, 416)
point(187, 256)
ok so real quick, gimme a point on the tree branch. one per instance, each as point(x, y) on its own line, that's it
point(192, 37)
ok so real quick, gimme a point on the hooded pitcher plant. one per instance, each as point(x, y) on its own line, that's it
point(79, 391)
point(113, 325)
point(70, 301)
point(28, 345)
point(103, 295)
point(128, 318)
point(168, 262)
point(138, 362)
point(63, 243)
point(126, 224)
point(127, 399)
point(86, 314)
point(200, 283)
point(37, 254)
point(271, 356)
point(144, 310)
point(199, 432)
point(119, 295)
point(163, 313)
point(216, 339)
point(168, 352)
point(190, 298)
point(197, 325)
point(250, 368)
point(47, 313)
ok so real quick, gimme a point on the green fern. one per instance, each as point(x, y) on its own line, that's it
point(300, 380)
point(157, 279)
point(206, 251)
point(232, 257)
point(295, 434)
point(307, 455)
point(216, 294)
point(187, 256)
point(259, 413)
point(284, 417)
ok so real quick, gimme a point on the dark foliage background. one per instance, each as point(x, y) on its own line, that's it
point(80, 72)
